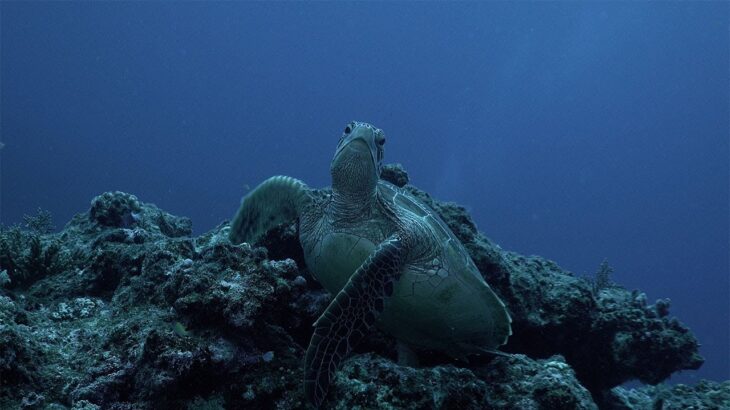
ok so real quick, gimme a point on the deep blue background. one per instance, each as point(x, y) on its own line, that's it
point(573, 131)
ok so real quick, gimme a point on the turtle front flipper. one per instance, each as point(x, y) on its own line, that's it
point(274, 201)
point(351, 316)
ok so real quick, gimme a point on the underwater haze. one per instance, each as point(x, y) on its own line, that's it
point(576, 131)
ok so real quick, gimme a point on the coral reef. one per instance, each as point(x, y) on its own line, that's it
point(125, 309)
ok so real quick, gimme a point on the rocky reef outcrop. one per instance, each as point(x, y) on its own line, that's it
point(125, 309)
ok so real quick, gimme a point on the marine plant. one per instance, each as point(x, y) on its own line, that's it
point(602, 278)
point(41, 222)
point(26, 254)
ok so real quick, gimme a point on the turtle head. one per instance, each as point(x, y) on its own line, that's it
point(359, 156)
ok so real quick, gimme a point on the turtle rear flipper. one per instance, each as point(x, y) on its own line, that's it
point(351, 316)
point(274, 201)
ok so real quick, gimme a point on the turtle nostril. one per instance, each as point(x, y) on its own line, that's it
point(348, 130)
point(381, 141)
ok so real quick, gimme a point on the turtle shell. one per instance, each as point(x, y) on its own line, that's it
point(440, 302)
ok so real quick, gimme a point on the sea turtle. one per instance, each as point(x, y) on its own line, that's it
point(388, 257)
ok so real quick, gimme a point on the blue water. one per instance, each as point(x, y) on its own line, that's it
point(575, 131)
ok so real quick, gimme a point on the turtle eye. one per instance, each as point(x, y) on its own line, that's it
point(348, 130)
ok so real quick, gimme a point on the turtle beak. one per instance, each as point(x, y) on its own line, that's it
point(360, 140)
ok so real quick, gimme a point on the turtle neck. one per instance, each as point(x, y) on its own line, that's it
point(353, 206)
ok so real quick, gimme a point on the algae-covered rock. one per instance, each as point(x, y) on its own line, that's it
point(705, 395)
point(106, 329)
point(116, 209)
point(122, 210)
point(395, 174)
point(517, 382)
point(20, 356)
